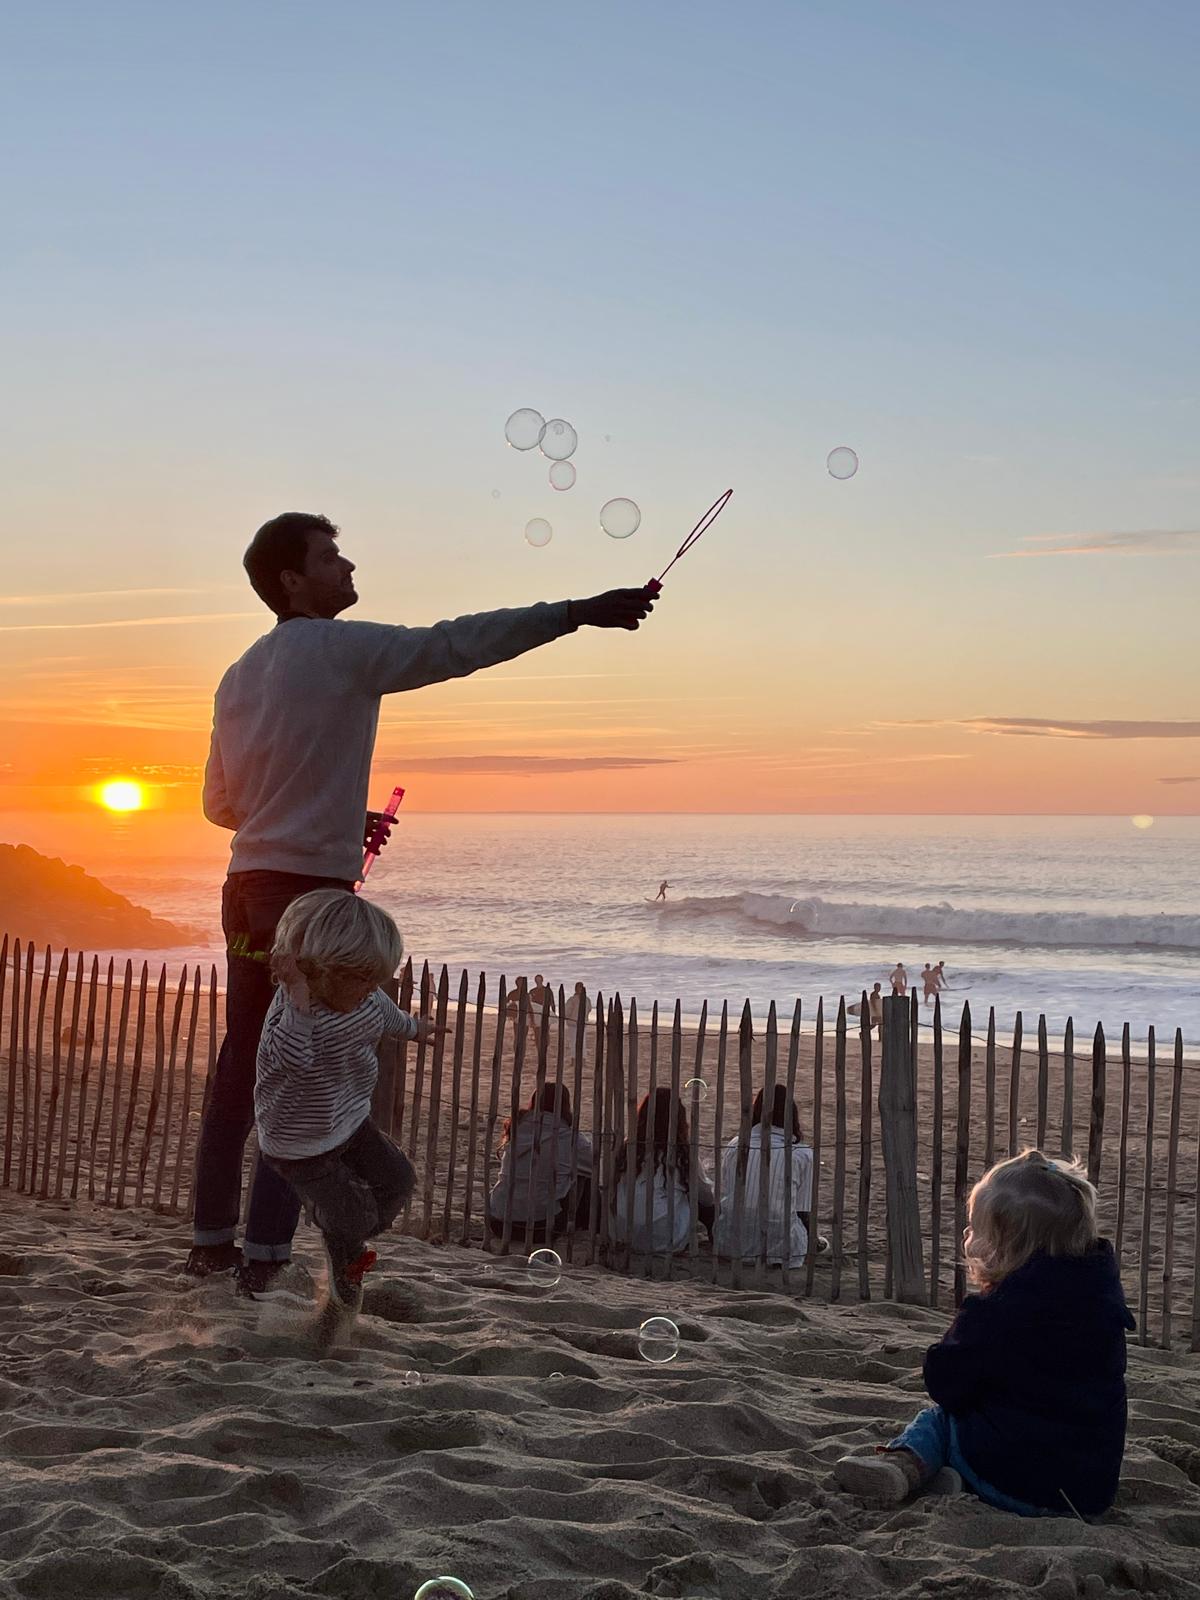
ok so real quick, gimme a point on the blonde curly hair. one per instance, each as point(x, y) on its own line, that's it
point(1028, 1204)
point(329, 934)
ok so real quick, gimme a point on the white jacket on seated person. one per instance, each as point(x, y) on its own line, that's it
point(787, 1237)
point(658, 1239)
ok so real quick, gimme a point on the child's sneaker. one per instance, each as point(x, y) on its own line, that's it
point(946, 1482)
point(886, 1478)
point(343, 1299)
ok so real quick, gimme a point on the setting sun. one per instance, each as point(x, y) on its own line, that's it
point(122, 795)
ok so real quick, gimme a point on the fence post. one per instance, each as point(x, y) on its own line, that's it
point(898, 1126)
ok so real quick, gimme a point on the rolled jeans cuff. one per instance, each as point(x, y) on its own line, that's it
point(266, 1252)
point(211, 1236)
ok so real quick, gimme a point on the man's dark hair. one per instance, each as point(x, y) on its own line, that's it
point(281, 545)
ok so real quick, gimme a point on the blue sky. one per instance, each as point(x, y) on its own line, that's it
point(297, 255)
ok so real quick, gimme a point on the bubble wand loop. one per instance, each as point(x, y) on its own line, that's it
point(705, 523)
point(379, 834)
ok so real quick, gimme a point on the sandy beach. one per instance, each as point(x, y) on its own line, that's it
point(162, 1438)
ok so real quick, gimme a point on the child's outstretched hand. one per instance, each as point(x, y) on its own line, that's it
point(293, 980)
point(428, 1029)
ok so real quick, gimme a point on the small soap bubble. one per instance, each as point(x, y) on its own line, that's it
point(699, 1085)
point(444, 1589)
point(559, 440)
point(411, 1378)
point(495, 494)
point(562, 475)
point(1142, 821)
point(619, 518)
point(524, 429)
point(545, 1268)
point(538, 532)
point(842, 462)
point(658, 1340)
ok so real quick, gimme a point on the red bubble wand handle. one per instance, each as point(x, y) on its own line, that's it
point(380, 832)
point(705, 523)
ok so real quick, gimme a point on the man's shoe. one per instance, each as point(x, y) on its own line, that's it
point(205, 1259)
point(256, 1277)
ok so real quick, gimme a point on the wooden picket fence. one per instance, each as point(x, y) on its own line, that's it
point(105, 1072)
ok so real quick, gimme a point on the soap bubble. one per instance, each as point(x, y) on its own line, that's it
point(842, 462)
point(558, 440)
point(545, 1268)
point(619, 518)
point(524, 429)
point(411, 1378)
point(1142, 821)
point(699, 1085)
point(538, 532)
point(562, 475)
point(495, 494)
point(444, 1589)
point(658, 1340)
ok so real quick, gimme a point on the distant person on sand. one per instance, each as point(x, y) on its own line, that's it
point(662, 1181)
point(541, 1149)
point(899, 979)
point(293, 734)
point(787, 1231)
point(662, 890)
point(316, 1072)
point(1028, 1386)
point(875, 1002)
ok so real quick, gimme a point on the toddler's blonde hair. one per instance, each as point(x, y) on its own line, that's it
point(1029, 1203)
point(332, 934)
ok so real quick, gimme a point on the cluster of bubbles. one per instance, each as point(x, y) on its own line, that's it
point(545, 1268)
point(444, 1589)
point(557, 440)
point(658, 1340)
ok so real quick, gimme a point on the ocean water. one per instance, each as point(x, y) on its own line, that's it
point(1068, 916)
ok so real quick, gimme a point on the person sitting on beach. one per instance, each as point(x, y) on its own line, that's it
point(667, 1194)
point(787, 1233)
point(899, 979)
point(875, 1002)
point(929, 983)
point(316, 1072)
point(1029, 1383)
point(543, 1148)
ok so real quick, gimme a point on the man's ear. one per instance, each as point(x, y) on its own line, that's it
point(290, 580)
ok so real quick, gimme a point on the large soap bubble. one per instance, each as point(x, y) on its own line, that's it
point(558, 440)
point(697, 1085)
point(545, 1268)
point(562, 475)
point(842, 462)
point(538, 532)
point(444, 1589)
point(658, 1340)
point(524, 429)
point(619, 518)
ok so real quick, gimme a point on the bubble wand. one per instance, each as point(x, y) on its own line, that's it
point(379, 834)
point(705, 523)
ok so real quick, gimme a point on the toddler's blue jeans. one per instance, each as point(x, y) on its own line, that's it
point(932, 1437)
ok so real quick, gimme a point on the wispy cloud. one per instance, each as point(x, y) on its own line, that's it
point(523, 765)
point(129, 622)
point(78, 596)
point(1195, 779)
point(1058, 728)
point(1144, 542)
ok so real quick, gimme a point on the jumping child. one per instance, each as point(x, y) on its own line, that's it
point(1029, 1383)
point(317, 1068)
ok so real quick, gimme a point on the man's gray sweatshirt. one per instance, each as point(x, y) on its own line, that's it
point(295, 719)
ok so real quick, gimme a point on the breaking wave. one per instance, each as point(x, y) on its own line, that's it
point(815, 918)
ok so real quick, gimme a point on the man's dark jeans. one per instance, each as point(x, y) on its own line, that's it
point(251, 906)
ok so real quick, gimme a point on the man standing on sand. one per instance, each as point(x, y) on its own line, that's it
point(294, 729)
point(875, 1002)
point(899, 979)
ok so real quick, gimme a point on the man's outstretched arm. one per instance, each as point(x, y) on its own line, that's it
point(392, 658)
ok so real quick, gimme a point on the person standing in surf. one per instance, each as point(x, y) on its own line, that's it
point(294, 726)
point(662, 890)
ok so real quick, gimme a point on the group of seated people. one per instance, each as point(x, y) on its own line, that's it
point(547, 1169)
